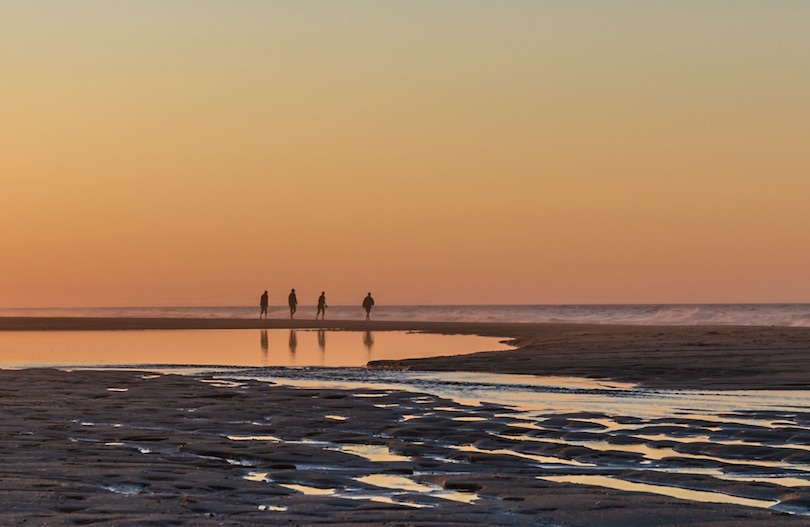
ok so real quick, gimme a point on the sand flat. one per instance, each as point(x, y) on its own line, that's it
point(135, 448)
point(700, 357)
point(128, 448)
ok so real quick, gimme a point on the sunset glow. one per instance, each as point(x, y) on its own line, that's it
point(200, 152)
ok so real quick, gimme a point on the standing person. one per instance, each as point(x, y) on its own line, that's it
point(321, 306)
point(293, 302)
point(368, 303)
point(263, 305)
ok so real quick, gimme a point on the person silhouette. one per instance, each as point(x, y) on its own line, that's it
point(263, 305)
point(321, 306)
point(368, 303)
point(293, 302)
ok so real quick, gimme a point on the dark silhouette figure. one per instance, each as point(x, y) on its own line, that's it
point(293, 302)
point(321, 306)
point(368, 303)
point(368, 341)
point(263, 305)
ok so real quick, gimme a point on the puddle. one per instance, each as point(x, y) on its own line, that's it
point(374, 453)
point(307, 490)
point(784, 482)
point(385, 499)
point(545, 460)
point(273, 439)
point(674, 492)
point(401, 483)
point(123, 489)
point(220, 383)
point(389, 481)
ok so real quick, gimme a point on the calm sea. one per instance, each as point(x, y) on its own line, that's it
point(643, 314)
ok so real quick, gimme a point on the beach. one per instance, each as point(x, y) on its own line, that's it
point(716, 357)
point(112, 447)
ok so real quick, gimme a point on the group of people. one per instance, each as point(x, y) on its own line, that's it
point(292, 301)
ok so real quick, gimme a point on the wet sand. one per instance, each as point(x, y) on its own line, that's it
point(690, 357)
point(131, 448)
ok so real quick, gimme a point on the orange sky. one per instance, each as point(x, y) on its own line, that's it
point(199, 152)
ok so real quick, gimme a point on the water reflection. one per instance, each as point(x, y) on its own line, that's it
point(21, 349)
point(368, 341)
point(264, 341)
point(293, 343)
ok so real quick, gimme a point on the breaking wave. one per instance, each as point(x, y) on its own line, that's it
point(784, 315)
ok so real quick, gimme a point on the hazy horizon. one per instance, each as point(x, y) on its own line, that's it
point(196, 153)
point(313, 305)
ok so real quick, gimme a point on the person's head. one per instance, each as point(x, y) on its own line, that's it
point(323, 292)
point(265, 292)
point(369, 294)
point(293, 291)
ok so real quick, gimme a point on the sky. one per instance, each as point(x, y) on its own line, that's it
point(196, 152)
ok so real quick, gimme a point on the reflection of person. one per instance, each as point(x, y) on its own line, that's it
point(322, 340)
point(263, 305)
point(321, 306)
point(368, 340)
point(265, 343)
point(293, 301)
point(293, 342)
point(368, 303)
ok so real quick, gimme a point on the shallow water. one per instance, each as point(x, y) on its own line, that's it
point(277, 348)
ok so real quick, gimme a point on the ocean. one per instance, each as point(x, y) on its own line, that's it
point(635, 314)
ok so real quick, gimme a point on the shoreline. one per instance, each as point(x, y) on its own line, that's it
point(667, 357)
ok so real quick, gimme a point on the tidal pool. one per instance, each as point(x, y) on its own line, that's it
point(262, 348)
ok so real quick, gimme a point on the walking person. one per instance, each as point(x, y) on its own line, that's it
point(263, 305)
point(293, 302)
point(368, 303)
point(321, 306)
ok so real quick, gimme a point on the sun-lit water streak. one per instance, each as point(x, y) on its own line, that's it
point(675, 492)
